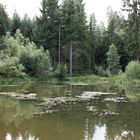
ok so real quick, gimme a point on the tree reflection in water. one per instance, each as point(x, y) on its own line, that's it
point(13, 111)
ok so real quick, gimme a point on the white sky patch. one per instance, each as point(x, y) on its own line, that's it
point(31, 7)
point(99, 7)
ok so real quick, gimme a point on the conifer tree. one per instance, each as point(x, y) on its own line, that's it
point(46, 27)
point(16, 23)
point(26, 27)
point(4, 21)
point(92, 39)
point(132, 28)
point(113, 60)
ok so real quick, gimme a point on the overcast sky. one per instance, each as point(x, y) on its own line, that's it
point(99, 7)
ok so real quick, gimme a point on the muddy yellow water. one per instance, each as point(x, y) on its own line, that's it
point(18, 119)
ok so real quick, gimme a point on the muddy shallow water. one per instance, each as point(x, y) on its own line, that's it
point(103, 119)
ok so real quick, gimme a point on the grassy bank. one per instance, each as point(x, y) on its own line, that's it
point(27, 80)
point(119, 81)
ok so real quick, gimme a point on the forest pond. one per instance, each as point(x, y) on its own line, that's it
point(114, 116)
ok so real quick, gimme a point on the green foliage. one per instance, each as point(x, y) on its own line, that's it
point(113, 60)
point(16, 23)
point(46, 27)
point(27, 27)
point(11, 67)
point(74, 21)
point(36, 61)
point(4, 21)
point(69, 17)
point(61, 72)
point(75, 30)
point(13, 45)
point(23, 55)
point(132, 29)
point(119, 81)
point(115, 21)
point(45, 31)
point(100, 71)
point(133, 70)
point(86, 79)
point(92, 41)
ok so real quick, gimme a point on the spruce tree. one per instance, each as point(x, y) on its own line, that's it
point(92, 41)
point(113, 60)
point(69, 16)
point(74, 21)
point(16, 23)
point(26, 27)
point(46, 27)
point(132, 38)
point(4, 21)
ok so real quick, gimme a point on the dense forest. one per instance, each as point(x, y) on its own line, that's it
point(41, 46)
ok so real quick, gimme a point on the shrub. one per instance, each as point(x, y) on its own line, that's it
point(100, 71)
point(10, 67)
point(13, 45)
point(61, 72)
point(36, 61)
point(133, 70)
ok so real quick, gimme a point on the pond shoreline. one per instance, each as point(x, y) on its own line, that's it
point(119, 81)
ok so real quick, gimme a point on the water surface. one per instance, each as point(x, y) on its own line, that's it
point(70, 122)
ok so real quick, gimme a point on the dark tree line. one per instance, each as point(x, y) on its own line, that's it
point(67, 23)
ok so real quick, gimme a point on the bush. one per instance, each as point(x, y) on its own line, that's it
point(100, 71)
point(10, 67)
point(34, 61)
point(61, 72)
point(12, 45)
point(133, 70)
